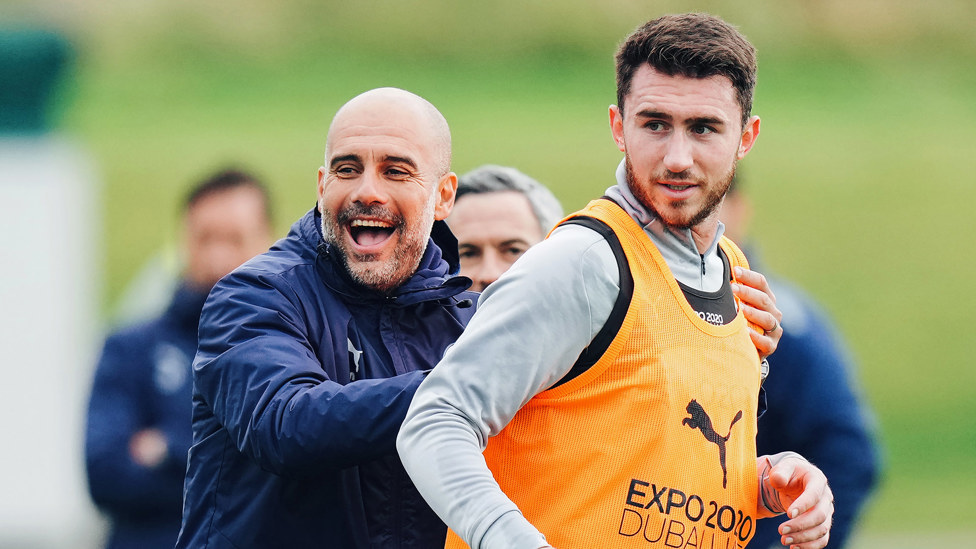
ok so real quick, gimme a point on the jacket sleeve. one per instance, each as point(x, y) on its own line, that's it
point(115, 413)
point(274, 391)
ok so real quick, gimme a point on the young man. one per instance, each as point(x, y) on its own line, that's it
point(499, 213)
point(138, 430)
point(310, 354)
point(610, 376)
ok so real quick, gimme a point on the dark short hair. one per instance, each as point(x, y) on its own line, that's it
point(694, 45)
point(491, 178)
point(225, 180)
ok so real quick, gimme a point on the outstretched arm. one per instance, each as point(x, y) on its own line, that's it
point(789, 483)
point(273, 385)
point(759, 308)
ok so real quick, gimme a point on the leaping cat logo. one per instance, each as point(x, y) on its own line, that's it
point(700, 420)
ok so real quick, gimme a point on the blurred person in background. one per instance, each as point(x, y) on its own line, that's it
point(139, 425)
point(498, 214)
point(813, 405)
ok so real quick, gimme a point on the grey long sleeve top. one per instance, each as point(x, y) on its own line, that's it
point(531, 325)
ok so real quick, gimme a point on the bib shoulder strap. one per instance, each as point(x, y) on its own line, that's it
point(601, 342)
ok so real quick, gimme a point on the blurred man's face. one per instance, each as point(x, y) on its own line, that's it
point(380, 192)
point(682, 138)
point(222, 230)
point(493, 230)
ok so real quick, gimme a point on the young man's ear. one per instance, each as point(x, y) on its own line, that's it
point(617, 127)
point(749, 135)
point(446, 191)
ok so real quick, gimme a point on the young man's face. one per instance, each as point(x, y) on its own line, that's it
point(682, 138)
point(379, 193)
point(493, 229)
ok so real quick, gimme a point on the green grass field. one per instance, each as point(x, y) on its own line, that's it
point(862, 178)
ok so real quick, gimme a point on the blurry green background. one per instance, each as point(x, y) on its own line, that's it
point(863, 178)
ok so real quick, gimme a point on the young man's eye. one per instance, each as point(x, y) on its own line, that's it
point(703, 130)
point(655, 126)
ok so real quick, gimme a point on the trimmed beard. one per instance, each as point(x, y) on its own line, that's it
point(713, 198)
point(366, 269)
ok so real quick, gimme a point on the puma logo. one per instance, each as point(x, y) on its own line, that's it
point(700, 420)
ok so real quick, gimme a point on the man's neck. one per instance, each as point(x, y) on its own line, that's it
point(704, 233)
point(684, 250)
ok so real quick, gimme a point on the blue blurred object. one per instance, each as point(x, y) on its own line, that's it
point(814, 409)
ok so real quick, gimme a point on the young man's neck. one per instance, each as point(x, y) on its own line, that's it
point(704, 233)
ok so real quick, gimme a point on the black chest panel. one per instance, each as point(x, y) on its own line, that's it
point(714, 307)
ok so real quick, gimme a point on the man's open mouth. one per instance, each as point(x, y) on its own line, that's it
point(677, 187)
point(370, 232)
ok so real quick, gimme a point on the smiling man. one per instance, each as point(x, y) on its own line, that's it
point(310, 354)
point(606, 393)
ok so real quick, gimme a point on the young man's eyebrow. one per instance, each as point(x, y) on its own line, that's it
point(653, 114)
point(706, 120)
point(699, 120)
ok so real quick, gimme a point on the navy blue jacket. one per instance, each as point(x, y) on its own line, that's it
point(814, 409)
point(143, 379)
point(288, 450)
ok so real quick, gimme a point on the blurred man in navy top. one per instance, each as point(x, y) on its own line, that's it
point(139, 427)
point(814, 407)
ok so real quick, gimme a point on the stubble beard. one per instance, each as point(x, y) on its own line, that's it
point(712, 199)
point(368, 269)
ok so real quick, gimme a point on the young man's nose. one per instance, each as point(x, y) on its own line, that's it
point(678, 156)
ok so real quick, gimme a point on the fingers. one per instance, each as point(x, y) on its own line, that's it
point(758, 304)
point(754, 280)
point(753, 289)
point(811, 530)
point(812, 508)
point(766, 343)
point(148, 447)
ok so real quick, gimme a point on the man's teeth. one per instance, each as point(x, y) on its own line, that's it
point(678, 187)
point(369, 223)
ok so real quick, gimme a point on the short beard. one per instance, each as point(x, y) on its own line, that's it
point(712, 200)
point(366, 269)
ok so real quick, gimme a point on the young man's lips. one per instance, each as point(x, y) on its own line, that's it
point(674, 187)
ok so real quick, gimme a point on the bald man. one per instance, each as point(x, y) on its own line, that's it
point(310, 354)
